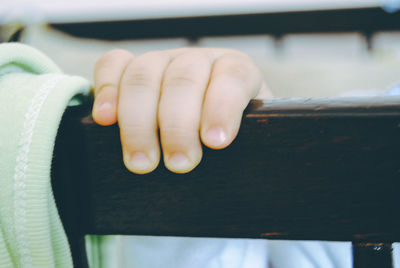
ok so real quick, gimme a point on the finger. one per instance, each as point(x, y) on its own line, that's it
point(108, 71)
point(265, 93)
point(137, 111)
point(235, 80)
point(182, 94)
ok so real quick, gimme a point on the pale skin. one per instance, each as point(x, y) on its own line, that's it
point(188, 96)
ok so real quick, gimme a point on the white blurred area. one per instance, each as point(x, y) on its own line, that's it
point(296, 65)
point(94, 10)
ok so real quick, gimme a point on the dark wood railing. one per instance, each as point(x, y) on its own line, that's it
point(363, 20)
point(310, 169)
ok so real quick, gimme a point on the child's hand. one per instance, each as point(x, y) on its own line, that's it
point(188, 94)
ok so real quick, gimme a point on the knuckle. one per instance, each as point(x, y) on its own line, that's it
point(179, 79)
point(133, 135)
point(177, 137)
point(177, 131)
point(137, 77)
point(140, 73)
point(182, 127)
point(238, 72)
point(233, 68)
point(108, 57)
point(187, 69)
point(134, 129)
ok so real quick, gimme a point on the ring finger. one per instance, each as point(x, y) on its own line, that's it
point(182, 92)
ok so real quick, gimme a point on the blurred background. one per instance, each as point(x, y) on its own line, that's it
point(305, 48)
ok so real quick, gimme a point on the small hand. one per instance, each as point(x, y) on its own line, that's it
point(188, 94)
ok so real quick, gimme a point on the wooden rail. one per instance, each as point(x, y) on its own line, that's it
point(310, 169)
point(364, 20)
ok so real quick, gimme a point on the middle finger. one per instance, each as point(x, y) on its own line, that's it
point(137, 111)
point(182, 92)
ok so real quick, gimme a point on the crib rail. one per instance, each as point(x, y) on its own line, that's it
point(363, 20)
point(310, 169)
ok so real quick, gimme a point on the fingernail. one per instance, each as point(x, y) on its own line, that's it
point(140, 162)
point(216, 136)
point(178, 162)
point(104, 106)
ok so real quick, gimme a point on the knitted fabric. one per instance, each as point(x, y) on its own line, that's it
point(33, 96)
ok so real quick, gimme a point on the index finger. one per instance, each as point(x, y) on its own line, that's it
point(107, 75)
